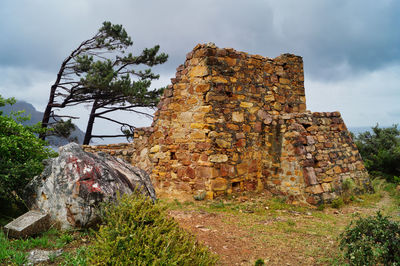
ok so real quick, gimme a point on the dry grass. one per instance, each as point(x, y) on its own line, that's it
point(243, 229)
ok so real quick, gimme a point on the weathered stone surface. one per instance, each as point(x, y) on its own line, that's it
point(28, 224)
point(73, 185)
point(218, 158)
point(309, 174)
point(219, 184)
point(38, 255)
point(235, 116)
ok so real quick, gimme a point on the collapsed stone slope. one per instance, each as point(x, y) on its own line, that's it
point(231, 121)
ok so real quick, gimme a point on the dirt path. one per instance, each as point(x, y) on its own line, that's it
point(240, 233)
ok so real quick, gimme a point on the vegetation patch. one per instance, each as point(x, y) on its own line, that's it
point(15, 251)
point(372, 240)
point(380, 150)
point(138, 232)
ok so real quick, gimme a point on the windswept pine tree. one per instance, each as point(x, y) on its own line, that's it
point(102, 73)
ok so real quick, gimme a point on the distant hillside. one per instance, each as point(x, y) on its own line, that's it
point(36, 117)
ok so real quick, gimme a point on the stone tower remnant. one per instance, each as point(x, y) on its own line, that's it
point(232, 122)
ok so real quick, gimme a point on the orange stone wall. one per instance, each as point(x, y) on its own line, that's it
point(310, 157)
point(234, 122)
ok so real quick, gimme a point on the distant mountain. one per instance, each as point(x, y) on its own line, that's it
point(36, 117)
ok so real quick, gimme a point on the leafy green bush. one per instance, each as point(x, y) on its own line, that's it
point(337, 203)
point(259, 262)
point(371, 241)
point(138, 232)
point(21, 153)
point(380, 151)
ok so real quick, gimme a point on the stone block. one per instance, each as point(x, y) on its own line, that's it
point(185, 116)
point(269, 98)
point(337, 169)
point(237, 117)
point(310, 140)
point(198, 125)
point(241, 143)
point(37, 256)
point(232, 126)
point(222, 143)
point(240, 135)
point(284, 81)
point(326, 187)
point(219, 184)
point(309, 176)
point(219, 79)
point(242, 168)
point(230, 61)
point(218, 158)
point(227, 170)
point(28, 224)
point(246, 104)
point(155, 149)
point(197, 135)
point(204, 172)
point(198, 71)
point(317, 189)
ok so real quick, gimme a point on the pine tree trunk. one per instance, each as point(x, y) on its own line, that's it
point(89, 128)
point(47, 112)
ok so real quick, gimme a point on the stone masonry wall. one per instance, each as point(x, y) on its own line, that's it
point(310, 157)
point(231, 121)
point(136, 152)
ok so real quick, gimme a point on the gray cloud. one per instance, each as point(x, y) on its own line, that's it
point(344, 43)
point(361, 33)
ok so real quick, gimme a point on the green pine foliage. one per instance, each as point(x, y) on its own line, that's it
point(21, 154)
point(374, 240)
point(380, 150)
point(103, 72)
point(138, 232)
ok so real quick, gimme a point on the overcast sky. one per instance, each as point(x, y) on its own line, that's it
point(350, 48)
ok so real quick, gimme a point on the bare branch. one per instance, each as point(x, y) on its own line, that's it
point(68, 116)
point(107, 136)
point(115, 121)
point(112, 109)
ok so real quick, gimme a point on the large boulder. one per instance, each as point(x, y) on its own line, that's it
point(73, 185)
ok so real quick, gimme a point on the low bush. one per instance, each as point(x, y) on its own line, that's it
point(371, 241)
point(21, 155)
point(337, 203)
point(138, 232)
point(380, 150)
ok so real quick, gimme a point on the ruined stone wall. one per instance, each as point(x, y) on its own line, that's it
point(208, 130)
point(311, 155)
point(231, 121)
point(136, 152)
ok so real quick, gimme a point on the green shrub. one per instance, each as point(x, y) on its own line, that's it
point(371, 241)
point(337, 203)
point(21, 154)
point(259, 262)
point(138, 232)
point(380, 151)
point(348, 185)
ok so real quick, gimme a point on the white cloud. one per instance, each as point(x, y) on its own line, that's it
point(364, 100)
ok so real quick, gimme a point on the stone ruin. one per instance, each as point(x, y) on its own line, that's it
point(233, 122)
